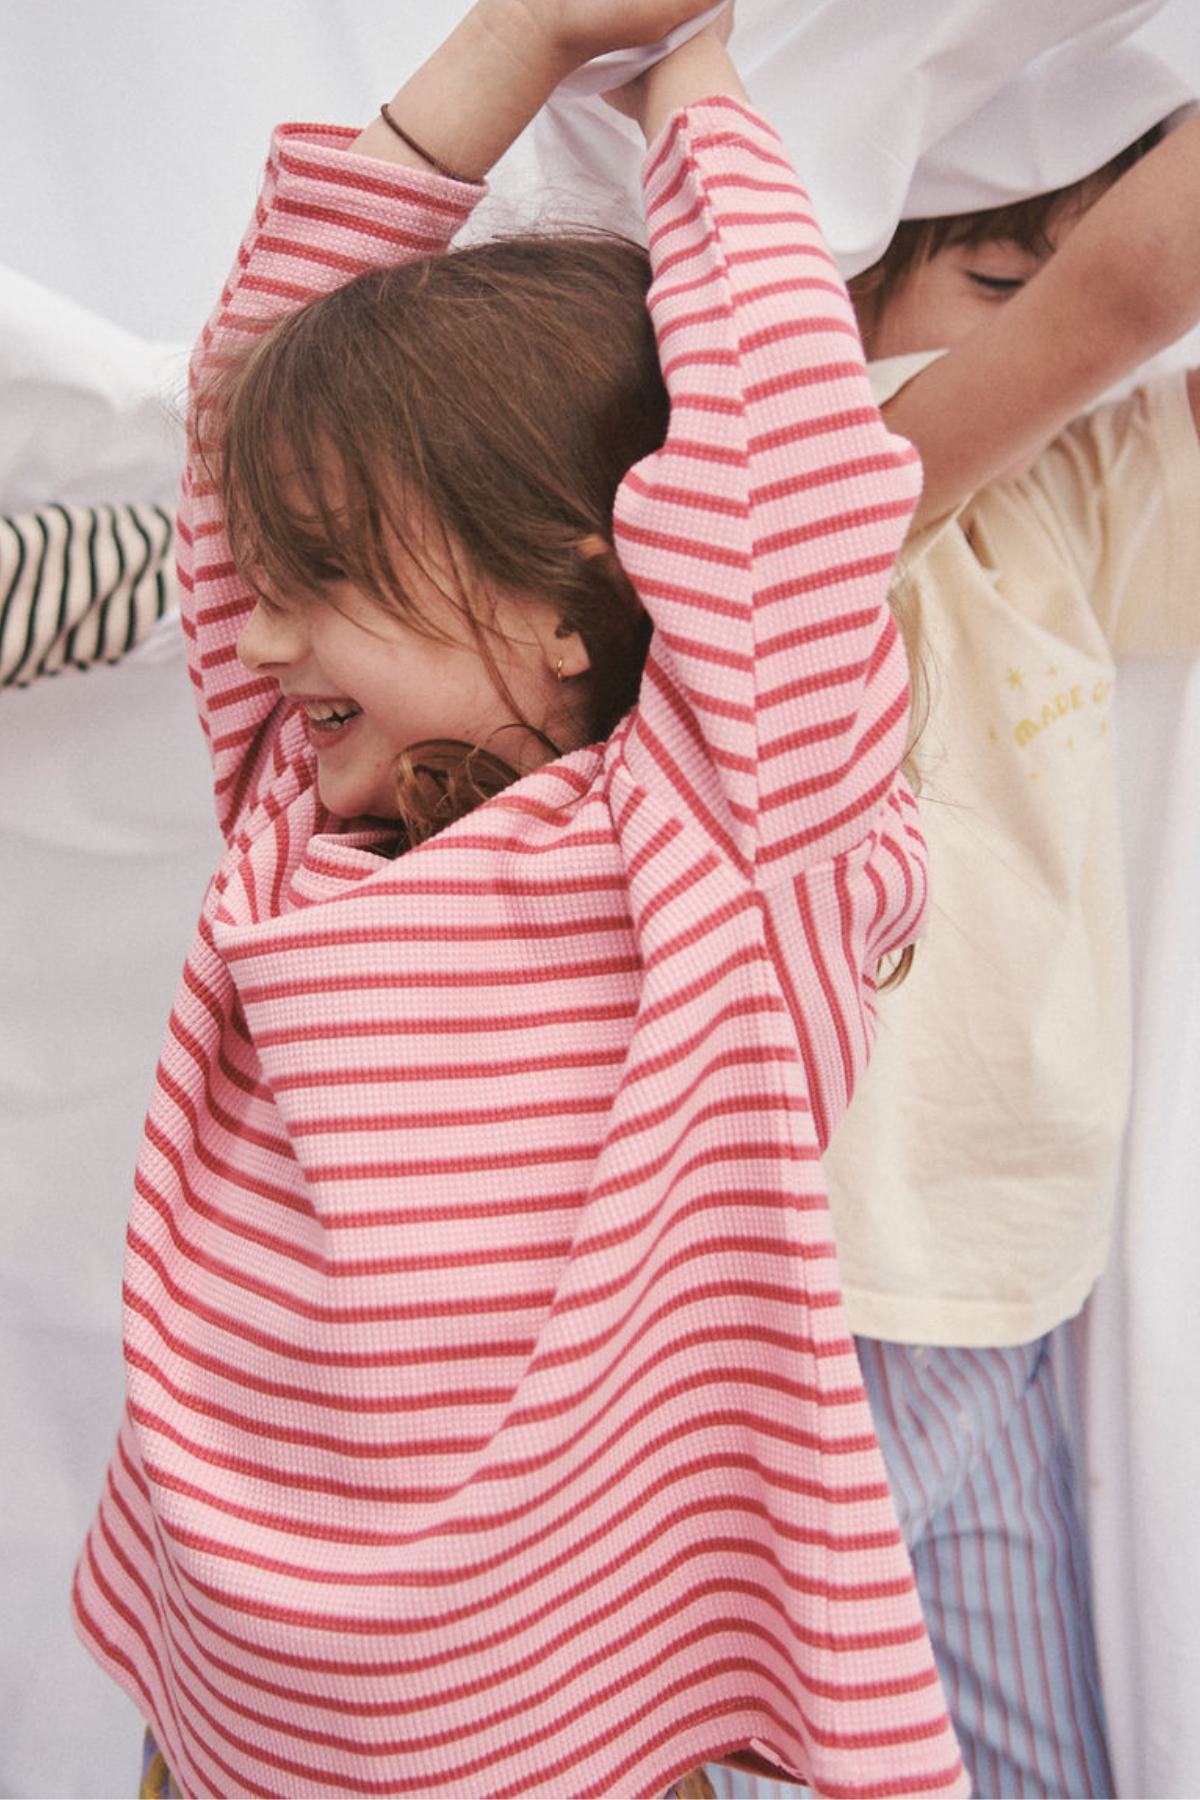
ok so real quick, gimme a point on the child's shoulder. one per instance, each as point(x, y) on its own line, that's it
point(1100, 529)
point(1136, 453)
point(1135, 449)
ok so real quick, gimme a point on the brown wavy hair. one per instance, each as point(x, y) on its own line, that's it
point(473, 412)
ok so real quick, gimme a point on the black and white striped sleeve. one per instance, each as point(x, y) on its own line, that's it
point(80, 586)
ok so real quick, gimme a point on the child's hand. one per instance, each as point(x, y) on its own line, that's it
point(695, 70)
point(471, 98)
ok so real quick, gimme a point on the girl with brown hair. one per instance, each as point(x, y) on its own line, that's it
point(492, 1423)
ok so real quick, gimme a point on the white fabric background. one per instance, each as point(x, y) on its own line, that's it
point(913, 110)
point(131, 135)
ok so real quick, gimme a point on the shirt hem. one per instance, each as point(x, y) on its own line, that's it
point(973, 1324)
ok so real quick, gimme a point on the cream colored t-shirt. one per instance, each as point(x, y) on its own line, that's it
point(973, 1178)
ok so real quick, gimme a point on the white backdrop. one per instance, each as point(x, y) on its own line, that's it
point(131, 135)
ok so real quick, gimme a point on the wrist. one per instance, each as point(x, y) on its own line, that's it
point(700, 69)
point(527, 39)
point(473, 96)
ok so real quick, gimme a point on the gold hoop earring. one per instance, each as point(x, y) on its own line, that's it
point(558, 674)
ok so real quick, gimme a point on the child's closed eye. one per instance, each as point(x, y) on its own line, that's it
point(1001, 286)
point(998, 269)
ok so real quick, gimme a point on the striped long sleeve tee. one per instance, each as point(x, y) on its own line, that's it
point(493, 1425)
point(80, 586)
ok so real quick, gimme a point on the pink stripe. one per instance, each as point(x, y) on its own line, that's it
point(481, 1296)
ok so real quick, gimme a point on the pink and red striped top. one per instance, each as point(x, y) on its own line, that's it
point(493, 1424)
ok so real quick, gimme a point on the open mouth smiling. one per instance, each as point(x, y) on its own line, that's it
point(328, 716)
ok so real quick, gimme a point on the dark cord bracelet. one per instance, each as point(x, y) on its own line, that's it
point(389, 120)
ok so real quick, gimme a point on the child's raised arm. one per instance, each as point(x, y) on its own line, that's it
point(1124, 285)
point(761, 536)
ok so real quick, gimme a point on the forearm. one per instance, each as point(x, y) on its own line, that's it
point(479, 90)
point(762, 536)
point(474, 96)
point(1135, 257)
point(1124, 285)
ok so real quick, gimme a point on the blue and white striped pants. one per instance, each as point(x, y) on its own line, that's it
point(980, 1465)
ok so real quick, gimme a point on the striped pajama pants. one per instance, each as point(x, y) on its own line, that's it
point(980, 1464)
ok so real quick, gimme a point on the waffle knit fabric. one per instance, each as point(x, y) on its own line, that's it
point(493, 1423)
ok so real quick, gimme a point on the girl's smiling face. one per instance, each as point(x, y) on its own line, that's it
point(372, 685)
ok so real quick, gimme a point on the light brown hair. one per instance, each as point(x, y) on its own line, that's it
point(484, 404)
